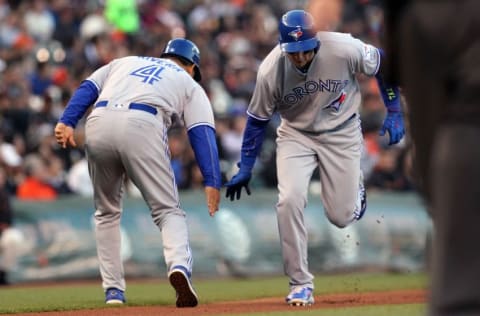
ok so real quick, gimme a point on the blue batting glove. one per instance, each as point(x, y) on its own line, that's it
point(394, 125)
point(235, 185)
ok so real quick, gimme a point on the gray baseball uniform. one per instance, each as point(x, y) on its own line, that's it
point(124, 138)
point(319, 127)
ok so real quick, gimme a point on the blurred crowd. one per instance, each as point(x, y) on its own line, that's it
point(47, 47)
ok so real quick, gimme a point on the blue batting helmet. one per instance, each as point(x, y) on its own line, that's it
point(296, 32)
point(185, 49)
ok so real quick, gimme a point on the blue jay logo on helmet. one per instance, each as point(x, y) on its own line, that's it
point(296, 34)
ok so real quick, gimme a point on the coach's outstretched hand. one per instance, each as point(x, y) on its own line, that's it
point(394, 125)
point(64, 135)
point(235, 185)
point(213, 199)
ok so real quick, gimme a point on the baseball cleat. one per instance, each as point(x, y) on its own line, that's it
point(114, 296)
point(299, 304)
point(361, 203)
point(180, 280)
point(300, 296)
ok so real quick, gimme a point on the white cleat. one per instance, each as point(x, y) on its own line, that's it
point(300, 296)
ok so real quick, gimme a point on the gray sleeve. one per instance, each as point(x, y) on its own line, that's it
point(364, 58)
point(262, 104)
point(198, 110)
point(99, 76)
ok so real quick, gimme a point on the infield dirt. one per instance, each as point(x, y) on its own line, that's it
point(257, 305)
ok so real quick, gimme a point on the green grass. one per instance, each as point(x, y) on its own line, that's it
point(36, 298)
point(379, 310)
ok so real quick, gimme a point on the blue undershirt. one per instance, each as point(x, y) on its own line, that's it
point(390, 93)
point(82, 99)
point(204, 145)
point(252, 142)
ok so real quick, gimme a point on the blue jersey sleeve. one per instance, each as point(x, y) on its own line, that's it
point(390, 92)
point(202, 140)
point(82, 99)
point(252, 142)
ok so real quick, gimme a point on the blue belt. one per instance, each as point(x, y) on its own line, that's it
point(133, 106)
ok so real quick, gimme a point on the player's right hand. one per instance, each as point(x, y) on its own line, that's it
point(235, 185)
point(64, 135)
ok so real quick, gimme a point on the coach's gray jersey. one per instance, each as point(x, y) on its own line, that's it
point(155, 81)
point(323, 98)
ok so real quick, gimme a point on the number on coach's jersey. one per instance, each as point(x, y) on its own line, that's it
point(150, 74)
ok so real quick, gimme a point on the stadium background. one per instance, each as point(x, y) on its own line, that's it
point(48, 47)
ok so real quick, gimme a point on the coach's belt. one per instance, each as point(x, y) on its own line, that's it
point(133, 106)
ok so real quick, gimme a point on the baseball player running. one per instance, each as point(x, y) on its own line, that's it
point(309, 79)
point(135, 99)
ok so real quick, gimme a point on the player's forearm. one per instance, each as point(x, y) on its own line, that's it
point(390, 95)
point(83, 97)
point(252, 142)
point(202, 140)
point(390, 92)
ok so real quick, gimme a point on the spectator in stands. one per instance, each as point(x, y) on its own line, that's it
point(78, 178)
point(178, 144)
point(36, 185)
point(11, 164)
point(39, 20)
point(7, 256)
point(231, 140)
point(232, 35)
point(41, 79)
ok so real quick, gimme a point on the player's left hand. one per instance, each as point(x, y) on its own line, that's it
point(235, 185)
point(213, 199)
point(64, 135)
point(394, 125)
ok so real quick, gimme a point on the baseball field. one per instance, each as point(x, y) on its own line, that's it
point(366, 294)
